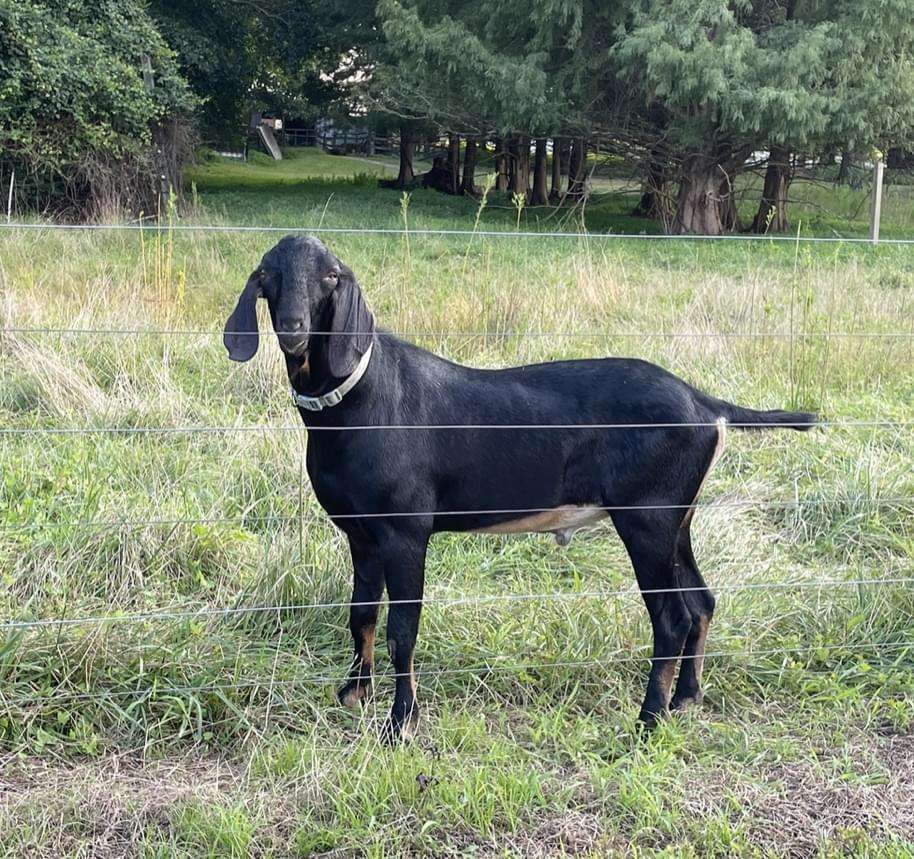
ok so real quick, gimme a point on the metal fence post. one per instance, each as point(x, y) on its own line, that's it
point(876, 208)
point(9, 199)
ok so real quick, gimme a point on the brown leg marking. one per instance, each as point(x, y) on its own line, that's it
point(362, 666)
point(656, 704)
point(410, 726)
point(688, 690)
point(665, 680)
point(698, 658)
point(412, 675)
point(367, 652)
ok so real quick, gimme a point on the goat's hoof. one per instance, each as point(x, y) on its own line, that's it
point(649, 719)
point(398, 730)
point(355, 693)
point(686, 701)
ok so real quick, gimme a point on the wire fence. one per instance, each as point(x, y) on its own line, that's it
point(285, 428)
point(19, 625)
point(447, 601)
point(581, 334)
point(253, 519)
point(317, 229)
point(493, 667)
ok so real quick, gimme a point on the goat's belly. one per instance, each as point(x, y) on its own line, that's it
point(562, 521)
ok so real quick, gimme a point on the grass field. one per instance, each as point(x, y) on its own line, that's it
point(203, 734)
point(335, 192)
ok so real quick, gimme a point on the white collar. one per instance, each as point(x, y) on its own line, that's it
point(334, 397)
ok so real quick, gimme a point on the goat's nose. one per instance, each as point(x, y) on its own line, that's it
point(289, 326)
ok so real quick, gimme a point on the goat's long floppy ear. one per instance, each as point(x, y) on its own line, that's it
point(352, 325)
point(241, 336)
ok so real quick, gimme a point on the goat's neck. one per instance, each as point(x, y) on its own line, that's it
point(311, 375)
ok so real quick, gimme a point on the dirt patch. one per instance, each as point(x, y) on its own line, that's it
point(862, 787)
point(104, 807)
point(107, 807)
point(572, 833)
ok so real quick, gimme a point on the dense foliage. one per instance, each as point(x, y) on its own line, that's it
point(692, 88)
point(287, 57)
point(732, 77)
point(688, 90)
point(76, 116)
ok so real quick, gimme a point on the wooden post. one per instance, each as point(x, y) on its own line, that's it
point(876, 209)
point(9, 199)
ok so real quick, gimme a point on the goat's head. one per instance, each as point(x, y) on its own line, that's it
point(314, 301)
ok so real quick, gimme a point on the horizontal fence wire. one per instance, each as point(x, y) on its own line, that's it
point(482, 670)
point(444, 233)
point(683, 335)
point(228, 428)
point(463, 599)
point(241, 518)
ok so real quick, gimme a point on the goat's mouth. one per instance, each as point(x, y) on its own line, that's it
point(293, 343)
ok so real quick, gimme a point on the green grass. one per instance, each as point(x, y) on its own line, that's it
point(312, 188)
point(297, 166)
point(220, 736)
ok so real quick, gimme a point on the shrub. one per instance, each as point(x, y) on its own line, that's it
point(78, 123)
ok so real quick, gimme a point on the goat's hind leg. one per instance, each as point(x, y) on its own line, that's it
point(650, 538)
point(700, 602)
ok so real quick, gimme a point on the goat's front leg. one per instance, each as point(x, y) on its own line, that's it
point(405, 575)
point(368, 585)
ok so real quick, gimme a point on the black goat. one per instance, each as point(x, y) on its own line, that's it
point(390, 489)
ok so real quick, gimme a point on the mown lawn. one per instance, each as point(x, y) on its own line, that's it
point(312, 188)
point(195, 733)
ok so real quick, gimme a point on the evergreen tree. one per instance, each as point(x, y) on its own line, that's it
point(478, 69)
point(690, 86)
point(735, 76)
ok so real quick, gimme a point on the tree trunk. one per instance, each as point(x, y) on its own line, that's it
point(406, 176)
point(540, 195)
point(653, 203)
point(847, 162)
point(467, 183)
point(827, 156)
point(501, 165)
point(453, 162)
point(701, 202)
point(771, 216)
point(520, 165)
point(726, 201)
point(556, 190)
point(576, 168)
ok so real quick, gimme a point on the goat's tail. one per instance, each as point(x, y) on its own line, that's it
point(753, 419)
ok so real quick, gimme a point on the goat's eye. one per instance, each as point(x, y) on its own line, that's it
point(332, 277)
